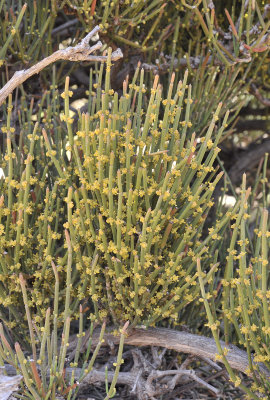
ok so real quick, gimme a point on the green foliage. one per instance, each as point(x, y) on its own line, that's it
point(245, 298)
point(132, 180)
point(30, 223)
point(173, 42)
point(28, 25)
point(47, 374)
point(137, 210)
point(185, 35)
point(138, 191)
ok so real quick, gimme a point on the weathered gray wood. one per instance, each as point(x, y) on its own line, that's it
point(8, 385)
point(184, 342)
point(199, 346)
point(81, 52)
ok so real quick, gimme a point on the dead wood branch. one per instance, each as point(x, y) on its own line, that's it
point(165, 381)
point(64, 27)
point(248, 160)
point(151, 391)
point(194, 62)
point(146, 389)
point(184, 342)
point(8, 385)
point(255, 91)
point(80, 52)
point(144, 379)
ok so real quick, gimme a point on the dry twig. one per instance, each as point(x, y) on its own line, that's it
point(80, 52)
point(151, 391)
point(255, 91)
point(249, 158)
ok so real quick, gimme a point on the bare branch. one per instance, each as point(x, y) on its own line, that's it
point(199, 346)
point(64, 26)
point(194, 62)
point(248, 160)
point(255, 91)
point(185, 342)
point(187, 372)
point(80, 52)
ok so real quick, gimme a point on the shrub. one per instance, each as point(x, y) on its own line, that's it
point(132, 178)
point(49, 373)
point(127, 174)
point(31, 223)
point(137, 210)
point(245, 299)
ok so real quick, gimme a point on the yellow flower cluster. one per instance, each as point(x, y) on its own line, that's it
point(137, 212)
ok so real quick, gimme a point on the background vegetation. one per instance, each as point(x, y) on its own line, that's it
point(121, 196)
